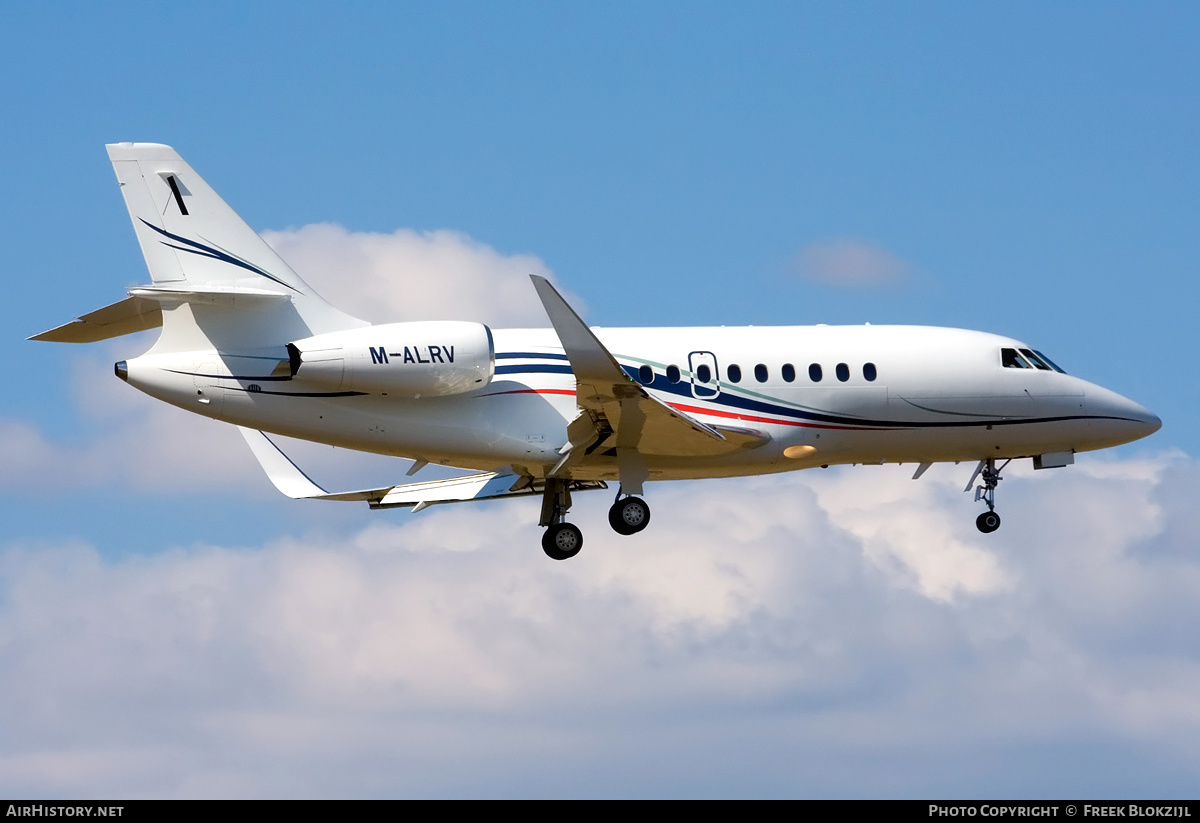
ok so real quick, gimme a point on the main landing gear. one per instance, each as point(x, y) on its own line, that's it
point(989, 521)
point(563, 540)
point(629, 515)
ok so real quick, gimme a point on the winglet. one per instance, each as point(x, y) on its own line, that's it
point(589, 359)
point(603, 387)
point(285, 474)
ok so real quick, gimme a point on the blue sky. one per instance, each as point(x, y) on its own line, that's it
point(1027, 169)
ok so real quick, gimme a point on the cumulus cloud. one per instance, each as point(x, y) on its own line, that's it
point(849, 263)
point(764, 636)
point(840, 632)
point(130, 441)
point(412, 275)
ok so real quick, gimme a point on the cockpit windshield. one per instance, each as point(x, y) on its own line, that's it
point(1027, 359)
point(1049, 362)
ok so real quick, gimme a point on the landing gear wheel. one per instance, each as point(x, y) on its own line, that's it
point(987, 522)
point(562, 541)
point(629, 515)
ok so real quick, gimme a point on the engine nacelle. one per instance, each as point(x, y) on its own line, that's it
point(420, 359)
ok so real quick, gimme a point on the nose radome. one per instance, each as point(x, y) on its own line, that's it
point(1150, 420)
point(1110, 409)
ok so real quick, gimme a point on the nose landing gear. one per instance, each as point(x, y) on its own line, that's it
point(989, 521)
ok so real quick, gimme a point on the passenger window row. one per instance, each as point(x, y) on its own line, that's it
point(733, 373)
point(788, 372)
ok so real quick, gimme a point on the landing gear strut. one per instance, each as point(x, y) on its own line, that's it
point(561, 540)
point(628, 515)
point(989, 521)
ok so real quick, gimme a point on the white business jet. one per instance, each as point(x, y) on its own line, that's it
point(555, 411)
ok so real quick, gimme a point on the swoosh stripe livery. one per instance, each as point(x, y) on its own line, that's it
point(215, 253)
point(735, 403)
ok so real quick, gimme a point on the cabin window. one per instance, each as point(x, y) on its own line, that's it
point(869, 372)
point(760, 373)
point(1011, 360)
point(843, 372)
point(645, 375)
point(734, 373)
point(703, 373)
point(673, 375)
point(789, 373)
point(1049, 362)
point(814, 372)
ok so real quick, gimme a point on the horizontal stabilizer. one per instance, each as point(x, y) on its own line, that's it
point(133, 314)
point(211, 295)
point(294, 483)
point(142, 310)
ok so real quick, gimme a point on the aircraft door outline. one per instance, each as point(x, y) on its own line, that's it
point(698, 363)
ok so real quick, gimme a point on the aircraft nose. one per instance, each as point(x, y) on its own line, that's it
point(1150, 420)
point(1118, 419)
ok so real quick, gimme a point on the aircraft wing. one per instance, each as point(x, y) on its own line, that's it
point(293, 482)
point(618, 413)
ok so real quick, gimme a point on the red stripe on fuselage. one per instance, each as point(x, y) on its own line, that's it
point(569, 392)
point(683, 407)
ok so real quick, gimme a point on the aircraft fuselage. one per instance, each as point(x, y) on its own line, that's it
point(855, 394)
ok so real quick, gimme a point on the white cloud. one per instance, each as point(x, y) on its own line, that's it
point(128, 441)
point(849, 263)
point(764, 636)
point(939, 555)
point(411, 275)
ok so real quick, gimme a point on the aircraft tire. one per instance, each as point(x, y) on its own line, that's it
point(629, 515)
point(987, 522)
point(562, 541)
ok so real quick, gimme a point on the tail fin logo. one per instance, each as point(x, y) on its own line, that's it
point(177, 194)
point(214, 252)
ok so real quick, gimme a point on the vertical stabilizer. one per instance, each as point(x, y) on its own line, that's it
point(194, 244)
